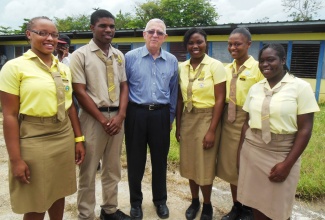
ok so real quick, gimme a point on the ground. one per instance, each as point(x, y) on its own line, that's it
point(178, 196)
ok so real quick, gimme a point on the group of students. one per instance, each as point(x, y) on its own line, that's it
point(253, 140)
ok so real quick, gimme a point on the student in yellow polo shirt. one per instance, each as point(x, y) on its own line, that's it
point(40, 125)
point(276, 131)
point(242, 73)
point(202, 91)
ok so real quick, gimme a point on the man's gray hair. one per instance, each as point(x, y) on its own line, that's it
point(156, 20)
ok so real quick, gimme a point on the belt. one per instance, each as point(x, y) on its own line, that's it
point(199, 110)
point(107, 109)
point(149, 107)
point(45, 120)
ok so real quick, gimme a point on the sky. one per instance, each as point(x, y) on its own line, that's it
point(13, 12)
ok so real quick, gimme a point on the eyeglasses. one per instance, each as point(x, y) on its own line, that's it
point(152, 32)
point(45, 33)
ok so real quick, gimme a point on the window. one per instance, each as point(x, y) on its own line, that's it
point(178, 50)
point(124, 48)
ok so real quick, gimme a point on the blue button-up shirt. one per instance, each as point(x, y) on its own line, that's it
point(152, 81)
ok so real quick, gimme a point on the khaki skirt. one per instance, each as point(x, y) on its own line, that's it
point(273, 199)
point(196, 163)
point(47, 146)
point(226, 166)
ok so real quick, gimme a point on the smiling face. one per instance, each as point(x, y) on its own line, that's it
point(271, 65)
point(103, 31)
point(154, 40)
point(196, 46)
point(238, 46)
point(42, 45)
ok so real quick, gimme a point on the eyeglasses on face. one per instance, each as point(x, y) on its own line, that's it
point(45, 33)
point(152, 32)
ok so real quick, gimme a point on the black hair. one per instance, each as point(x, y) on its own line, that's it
point(100, 13)
point(280, 52)
point(192, 31)
point(244, 31)
point(31, 22)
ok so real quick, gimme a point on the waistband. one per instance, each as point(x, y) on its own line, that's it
point(108, 109)
point(199, 110)
point(149, 107)
point(45, 120)
point(273, 136)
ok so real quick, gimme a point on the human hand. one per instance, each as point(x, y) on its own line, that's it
point(20, 171)
point(178, 135)
point(80, 153)
point(279, 172)
point(208, 140)
point(114, 125)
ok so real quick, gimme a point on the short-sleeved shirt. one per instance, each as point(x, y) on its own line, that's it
point(30, 78)
point(213, 73)
point(152, 81)
point(245, 80)
point(296, 97)
point(87, 68)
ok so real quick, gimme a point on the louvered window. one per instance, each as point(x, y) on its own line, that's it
point(124, 48)
point(178, 50)
point(304, 60)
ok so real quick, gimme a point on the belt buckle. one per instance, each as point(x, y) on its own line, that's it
point(151, 107)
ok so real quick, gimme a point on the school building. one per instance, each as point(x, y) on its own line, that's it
point(303, 40)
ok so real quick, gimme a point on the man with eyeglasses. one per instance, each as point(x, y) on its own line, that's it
point(62, 49)
point(152, 75)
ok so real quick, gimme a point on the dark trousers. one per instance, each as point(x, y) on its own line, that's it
point(147, 127)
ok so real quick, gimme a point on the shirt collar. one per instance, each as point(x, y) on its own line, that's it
point(31, 55)
point(145, 52)
point(94, 47)
point(248, 63)
point(205, 61)
point(286, 79)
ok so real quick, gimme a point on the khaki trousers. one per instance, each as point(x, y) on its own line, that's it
point(99, 146)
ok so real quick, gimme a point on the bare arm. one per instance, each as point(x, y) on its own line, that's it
point(219, 94)
point(179, 110)
point(10, 110)
point(80, 150)
point(88, 104)
point(281, 170)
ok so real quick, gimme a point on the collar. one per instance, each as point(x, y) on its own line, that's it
point(286, 79)
point(94, 47)
point(205, 60)
point(248, 63)
point(31, 55)
point(145, 52)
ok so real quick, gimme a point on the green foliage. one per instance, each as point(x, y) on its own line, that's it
point(305, 9)
point(178, 13)
point(312, 178)
point(127, 20)
point(76, 22)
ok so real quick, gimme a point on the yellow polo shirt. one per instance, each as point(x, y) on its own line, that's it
point(296, 97)
point(212, 73)
point(24, 77)
point(245, 80)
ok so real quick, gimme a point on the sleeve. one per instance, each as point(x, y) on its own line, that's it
point(173, 86)
point(218, 72)
point(10, 79)
point(77, 63)
point(248, 99)
point(306, 100)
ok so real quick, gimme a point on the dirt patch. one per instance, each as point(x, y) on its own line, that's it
point(178, 195)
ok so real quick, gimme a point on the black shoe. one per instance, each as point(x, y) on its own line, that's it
point(233, 214)
point(191, 212)
point(118, 215)
point(136, 212)
point(246, 214)
point(162, 211)
point(206, 216)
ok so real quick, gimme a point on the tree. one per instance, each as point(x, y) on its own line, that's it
point(178, 13)
point(127, 20)
point(75, 22)
point(305, 9)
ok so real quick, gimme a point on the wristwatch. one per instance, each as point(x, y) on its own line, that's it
point(79, 139)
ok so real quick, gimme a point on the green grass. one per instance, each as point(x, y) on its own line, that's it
point(312, 175)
